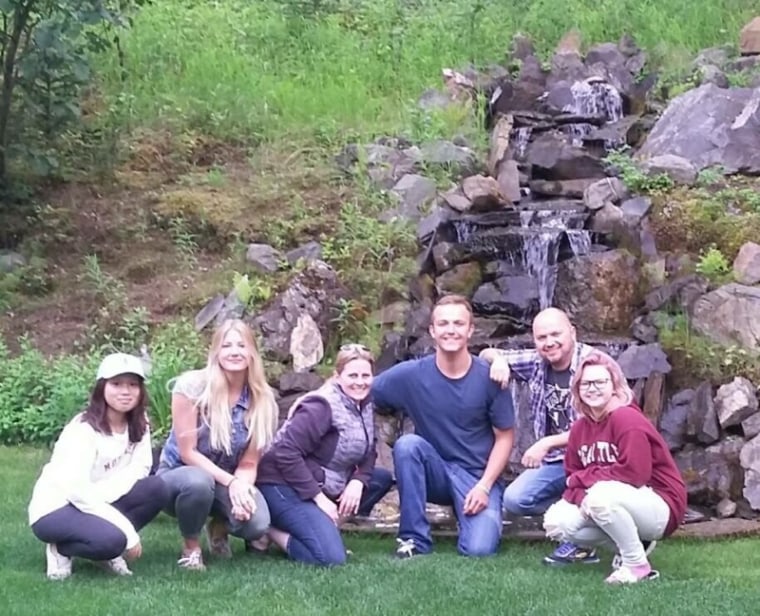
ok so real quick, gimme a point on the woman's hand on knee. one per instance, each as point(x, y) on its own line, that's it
point(242, 496)
point(240, 513)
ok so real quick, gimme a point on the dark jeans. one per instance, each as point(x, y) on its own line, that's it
point(314, 538)
point(88, 536)
point(423, 476)
point(535, 489)
point(194, 496)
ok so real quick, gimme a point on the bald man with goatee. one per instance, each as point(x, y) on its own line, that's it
point(548, 370)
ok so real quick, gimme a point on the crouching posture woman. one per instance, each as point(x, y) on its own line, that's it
point(223, 416)
point(623, 487)
point(321, 467)
point(95, 493)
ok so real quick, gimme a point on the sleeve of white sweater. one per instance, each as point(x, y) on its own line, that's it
point(73, 459)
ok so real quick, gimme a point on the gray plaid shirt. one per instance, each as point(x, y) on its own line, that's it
point(527, 365)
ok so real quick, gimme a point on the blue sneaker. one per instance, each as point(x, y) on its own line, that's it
point(569, 553)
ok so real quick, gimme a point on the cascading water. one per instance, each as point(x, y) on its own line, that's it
point(593, 97)
point(541, 244)
point(580, 241)
point(540, 251)
point(520, 139)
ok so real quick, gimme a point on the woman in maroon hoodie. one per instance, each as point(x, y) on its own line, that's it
point(321, 466)
point(623, 487)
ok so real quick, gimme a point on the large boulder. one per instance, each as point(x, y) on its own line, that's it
point(639, 361)
point(750, 462)
point(673, 419)
point(749, 38)
point(555, 159)
point(315, 292)
point(747, 264)
point(600, 289)
point(735, 402)
point(710, 126)
point(713, 473)
point(702, 419)
point(729, 315)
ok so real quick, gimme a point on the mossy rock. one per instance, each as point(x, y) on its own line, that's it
point(215, 218)
point(690, 220)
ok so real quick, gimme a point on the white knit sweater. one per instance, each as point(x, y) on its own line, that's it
point(91, 470)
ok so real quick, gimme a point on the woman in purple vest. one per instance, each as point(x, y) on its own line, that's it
point(321, 466)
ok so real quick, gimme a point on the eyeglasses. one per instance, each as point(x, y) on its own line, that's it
point(598, 384)
point(353, 346)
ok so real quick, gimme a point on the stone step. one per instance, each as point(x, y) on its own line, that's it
point(529, 529)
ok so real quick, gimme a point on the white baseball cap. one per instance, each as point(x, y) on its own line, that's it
point(120, 363)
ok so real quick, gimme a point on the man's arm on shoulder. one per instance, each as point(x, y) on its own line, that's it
point(521, 363)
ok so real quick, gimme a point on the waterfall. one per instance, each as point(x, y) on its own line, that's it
point(520, 139)
point(580, 241)
point(593, 97)
point(464, 230)
point(539, 258)
point(542, 233)
point(540, 251)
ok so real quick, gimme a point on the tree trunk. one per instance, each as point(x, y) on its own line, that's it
point(20, 20)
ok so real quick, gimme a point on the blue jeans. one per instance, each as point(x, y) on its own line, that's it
point(423, 476)
point(314, 538)
point(535, 489)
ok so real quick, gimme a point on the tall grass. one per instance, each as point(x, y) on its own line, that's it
point(259, 70)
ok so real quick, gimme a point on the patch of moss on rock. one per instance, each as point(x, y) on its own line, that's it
point(215, 218)
point(689, 220)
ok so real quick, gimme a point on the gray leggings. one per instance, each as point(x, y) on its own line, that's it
point(194, 496)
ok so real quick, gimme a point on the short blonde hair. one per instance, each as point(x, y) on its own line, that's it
point(452, 299)
point(350, 352)
point(620, 387)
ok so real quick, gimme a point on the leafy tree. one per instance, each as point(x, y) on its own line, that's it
point(44, 48)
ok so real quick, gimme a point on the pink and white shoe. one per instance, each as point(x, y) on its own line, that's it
point(632, 575)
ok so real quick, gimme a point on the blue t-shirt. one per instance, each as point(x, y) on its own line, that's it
point(456, 416)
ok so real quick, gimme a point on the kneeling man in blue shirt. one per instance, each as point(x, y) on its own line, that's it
point(463, 436)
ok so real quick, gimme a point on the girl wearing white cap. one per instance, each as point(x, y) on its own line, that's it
point(95, 494)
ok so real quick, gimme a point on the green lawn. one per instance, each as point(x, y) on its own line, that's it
point(697, 577)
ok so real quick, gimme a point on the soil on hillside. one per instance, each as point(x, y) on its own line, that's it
point(171, 228)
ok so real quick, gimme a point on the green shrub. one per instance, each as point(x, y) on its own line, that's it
point(713, 265)
point(696, 359)
point(174, 349)
point(39, 395)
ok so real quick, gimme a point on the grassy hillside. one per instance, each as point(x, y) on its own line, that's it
point(328, 69)
point(220, 129)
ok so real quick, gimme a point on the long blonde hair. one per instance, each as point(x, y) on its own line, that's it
point(213, 403)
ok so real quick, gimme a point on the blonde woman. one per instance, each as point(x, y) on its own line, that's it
point(223, 417)
point(623, 488)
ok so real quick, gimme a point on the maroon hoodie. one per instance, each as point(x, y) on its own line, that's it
point(626, 447)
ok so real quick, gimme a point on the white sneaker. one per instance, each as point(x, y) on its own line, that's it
point(117, 566)
point(192, 560)
point(58, 565)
